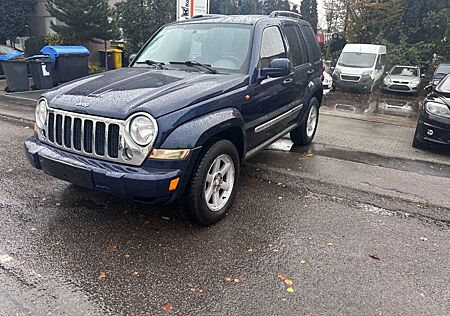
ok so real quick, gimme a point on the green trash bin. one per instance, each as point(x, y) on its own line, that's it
point(16, 73)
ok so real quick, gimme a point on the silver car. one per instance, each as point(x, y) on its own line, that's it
point(402, 79)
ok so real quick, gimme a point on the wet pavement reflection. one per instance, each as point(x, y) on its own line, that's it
point(392, 104)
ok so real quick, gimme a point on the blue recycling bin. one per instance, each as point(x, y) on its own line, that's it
point(69, 62)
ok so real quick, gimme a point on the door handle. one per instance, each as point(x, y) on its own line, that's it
point(287, 81)
point(310, 72)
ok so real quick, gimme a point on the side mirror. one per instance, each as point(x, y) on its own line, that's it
point(429, 88)
point(278, 67)
point(132, 57)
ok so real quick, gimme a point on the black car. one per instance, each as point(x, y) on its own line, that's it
point(202, 96)
point(440, 72)
point(434, 121)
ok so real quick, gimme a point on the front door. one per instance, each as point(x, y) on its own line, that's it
point(272, 98)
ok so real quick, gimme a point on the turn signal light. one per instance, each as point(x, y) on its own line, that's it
point(173, 184)
point(169, 154)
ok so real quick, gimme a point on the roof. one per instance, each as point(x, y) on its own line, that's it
point(364, 48)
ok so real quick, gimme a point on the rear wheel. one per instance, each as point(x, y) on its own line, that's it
point(214, 182)
point(304, 134)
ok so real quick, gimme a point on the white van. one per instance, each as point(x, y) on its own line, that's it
point(360, 67)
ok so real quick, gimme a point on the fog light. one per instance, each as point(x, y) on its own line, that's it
point(127, 154)
point(430, 132)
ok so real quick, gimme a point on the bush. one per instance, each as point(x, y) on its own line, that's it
point(93, 69)
point(33, 45)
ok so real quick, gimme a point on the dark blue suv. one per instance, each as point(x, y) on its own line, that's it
point(201, 97)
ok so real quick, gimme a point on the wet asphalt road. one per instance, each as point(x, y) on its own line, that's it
point(68, 251)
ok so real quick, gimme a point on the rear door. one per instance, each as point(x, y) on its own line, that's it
point(314, 54)
point(299, 59)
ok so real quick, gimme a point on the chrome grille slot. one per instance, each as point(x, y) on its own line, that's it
point(92, 136)
point(100, 138)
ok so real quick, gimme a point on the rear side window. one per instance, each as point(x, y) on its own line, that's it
point(311, 44)
point(272, 46)
point(296, 44)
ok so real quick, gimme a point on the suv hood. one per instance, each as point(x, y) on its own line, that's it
point(119, 93)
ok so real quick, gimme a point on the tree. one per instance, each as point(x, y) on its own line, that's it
point(82, 20)
point(269, 6)
point(308, 9)
point(139, 19)
point(13, 18)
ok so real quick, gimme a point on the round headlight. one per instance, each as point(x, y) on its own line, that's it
point(41, 113)
point(142, 130)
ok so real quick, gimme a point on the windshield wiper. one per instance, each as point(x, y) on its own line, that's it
point(195, 64)
point(150, 62)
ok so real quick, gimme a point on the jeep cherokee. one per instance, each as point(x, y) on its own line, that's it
point(199, 98)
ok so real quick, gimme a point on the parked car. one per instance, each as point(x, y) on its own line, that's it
point(200, 97)
point(327, 80)
point(360, 67)
point(440, 72)
point(402, 79)
point(433, 126)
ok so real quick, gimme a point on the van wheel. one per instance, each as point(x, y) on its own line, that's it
point(304, 134)
point(211, 192)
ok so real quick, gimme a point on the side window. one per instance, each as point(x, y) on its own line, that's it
point(272, 46)
point(296, 49)
point(312, 46)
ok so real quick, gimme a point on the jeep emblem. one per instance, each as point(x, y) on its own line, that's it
point(82, 104)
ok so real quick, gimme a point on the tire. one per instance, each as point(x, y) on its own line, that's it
point(196, 206)
point(303, 135)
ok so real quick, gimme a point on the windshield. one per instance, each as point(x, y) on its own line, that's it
point(443, 69)
point(222, 46)
point(405, 71)
point(444, 85)
point(357, 60)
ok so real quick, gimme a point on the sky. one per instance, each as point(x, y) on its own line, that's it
point(320, 9)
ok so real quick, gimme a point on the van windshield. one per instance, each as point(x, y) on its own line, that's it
point(357, 60)
point(221, 46)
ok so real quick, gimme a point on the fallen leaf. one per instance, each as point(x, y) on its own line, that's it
point(33, 229)
point(102, 276)
point(309, 155)
point(279, 183)
point(250, 250)
point(58, 204)
point(280, 197)
point(135, 273)
point(330, 244)
point(167, 307)
point(228, 279)
point(236, 280)
point(423, 238)
point(126, 255)
point(302, 261)
point(288, 282)
point(111, 248)
point(166, 218)
point(374, 257)
point(281, 277)
point(290, 290)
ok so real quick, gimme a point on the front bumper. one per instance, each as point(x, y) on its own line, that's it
point(149, 182)
point(434, 129)
point(362, 85)
point(396, 87)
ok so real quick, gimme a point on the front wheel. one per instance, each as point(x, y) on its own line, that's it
point(213, 185)
point(304, 134)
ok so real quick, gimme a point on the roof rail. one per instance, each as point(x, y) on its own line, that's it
point(288, 14)
point(198, 16)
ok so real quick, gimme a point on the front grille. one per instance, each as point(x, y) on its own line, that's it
point(350, 78)
point(85, 135)
point(399, 87)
